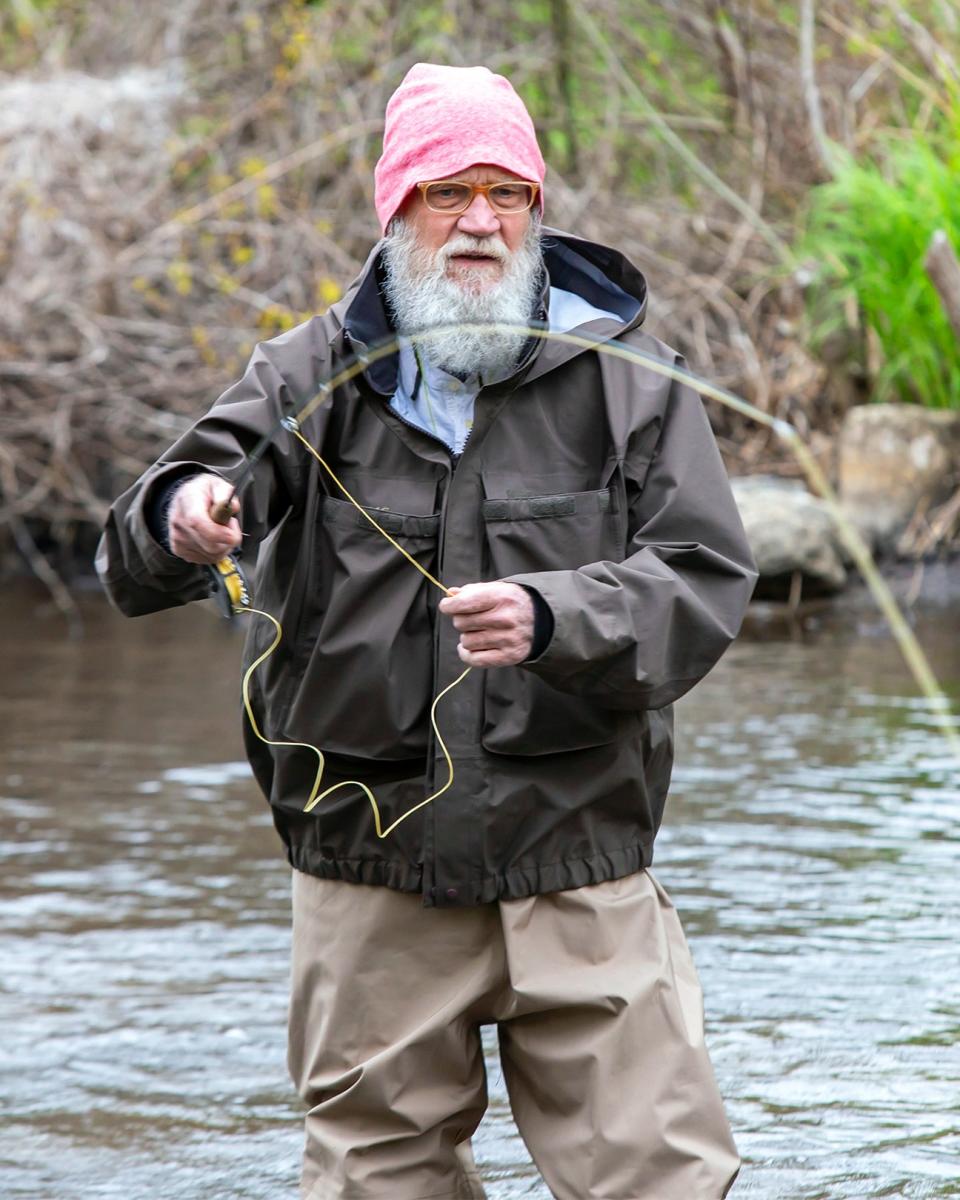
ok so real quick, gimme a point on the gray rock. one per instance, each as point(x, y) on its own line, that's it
point(789, 530)
point(892, 459)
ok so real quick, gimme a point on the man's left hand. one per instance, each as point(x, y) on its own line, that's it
point(495, 623)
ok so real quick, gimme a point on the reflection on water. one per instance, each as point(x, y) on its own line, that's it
point(810, 844)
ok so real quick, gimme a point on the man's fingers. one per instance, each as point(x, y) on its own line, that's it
point(219, 546)
point(488, 619)
point(197, 548)
point(490, 658)
point(474, 598)
point(488, 640)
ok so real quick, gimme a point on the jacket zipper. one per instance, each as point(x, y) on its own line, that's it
point(432, 436)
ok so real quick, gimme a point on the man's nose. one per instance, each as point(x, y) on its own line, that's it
point(479, 218)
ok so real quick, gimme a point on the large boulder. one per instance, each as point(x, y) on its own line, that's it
point(892, 460)
point(790, 532)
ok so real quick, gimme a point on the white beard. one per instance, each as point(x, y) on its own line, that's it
point(424, 295)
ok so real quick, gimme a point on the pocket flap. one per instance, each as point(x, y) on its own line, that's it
point(567, 504)
point(343, 514)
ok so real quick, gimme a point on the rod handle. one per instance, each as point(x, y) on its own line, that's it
point(221, 512)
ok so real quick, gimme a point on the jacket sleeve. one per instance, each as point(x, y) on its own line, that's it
point(138, 573)
point(641, 632)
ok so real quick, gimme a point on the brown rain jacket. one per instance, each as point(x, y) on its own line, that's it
point(592, 480)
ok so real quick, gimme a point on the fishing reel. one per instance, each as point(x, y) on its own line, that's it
point(230, 588)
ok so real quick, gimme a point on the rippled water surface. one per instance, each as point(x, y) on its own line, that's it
point(810, 844)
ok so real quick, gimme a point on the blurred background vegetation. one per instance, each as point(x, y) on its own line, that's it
point(180, 180)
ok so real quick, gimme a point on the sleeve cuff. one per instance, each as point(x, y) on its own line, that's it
point(542, 623)
point(157, 507)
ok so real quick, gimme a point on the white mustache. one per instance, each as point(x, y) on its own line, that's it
point(491, 246)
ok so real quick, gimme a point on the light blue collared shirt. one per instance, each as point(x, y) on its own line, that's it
point(442, 404)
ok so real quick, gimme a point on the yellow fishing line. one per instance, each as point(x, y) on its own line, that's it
point(315, 794)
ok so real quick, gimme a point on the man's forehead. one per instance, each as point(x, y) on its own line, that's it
point(480, 173)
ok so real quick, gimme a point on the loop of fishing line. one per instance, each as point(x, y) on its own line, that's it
point(316, 795)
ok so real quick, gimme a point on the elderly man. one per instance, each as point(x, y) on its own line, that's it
point(575, 508)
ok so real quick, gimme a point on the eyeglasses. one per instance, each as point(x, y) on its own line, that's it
point(453, 197)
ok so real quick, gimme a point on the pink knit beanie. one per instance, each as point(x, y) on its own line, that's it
point(441, 120)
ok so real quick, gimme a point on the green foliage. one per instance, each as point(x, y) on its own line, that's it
point(869, 230)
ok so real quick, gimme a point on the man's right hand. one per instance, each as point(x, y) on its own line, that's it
point(193, 534)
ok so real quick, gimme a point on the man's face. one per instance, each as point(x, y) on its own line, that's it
point(475, 267)
point(446, 272)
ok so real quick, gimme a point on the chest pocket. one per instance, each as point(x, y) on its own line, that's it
point(523, 715)
point(364, 665)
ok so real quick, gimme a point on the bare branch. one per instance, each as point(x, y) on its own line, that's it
point(811, 93)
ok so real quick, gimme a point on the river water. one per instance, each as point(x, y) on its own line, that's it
point(811, 845)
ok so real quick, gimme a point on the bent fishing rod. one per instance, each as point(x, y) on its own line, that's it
point(233, 592)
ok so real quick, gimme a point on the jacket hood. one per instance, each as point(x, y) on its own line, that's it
point(611, 290)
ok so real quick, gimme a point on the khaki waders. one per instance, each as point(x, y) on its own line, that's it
point(599, 1014)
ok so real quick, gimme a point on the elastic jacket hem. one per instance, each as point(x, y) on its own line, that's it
point(512, 885)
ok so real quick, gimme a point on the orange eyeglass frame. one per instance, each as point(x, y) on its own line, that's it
point(482, 188)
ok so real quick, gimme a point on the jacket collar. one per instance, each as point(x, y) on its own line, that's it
point(601, 276)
